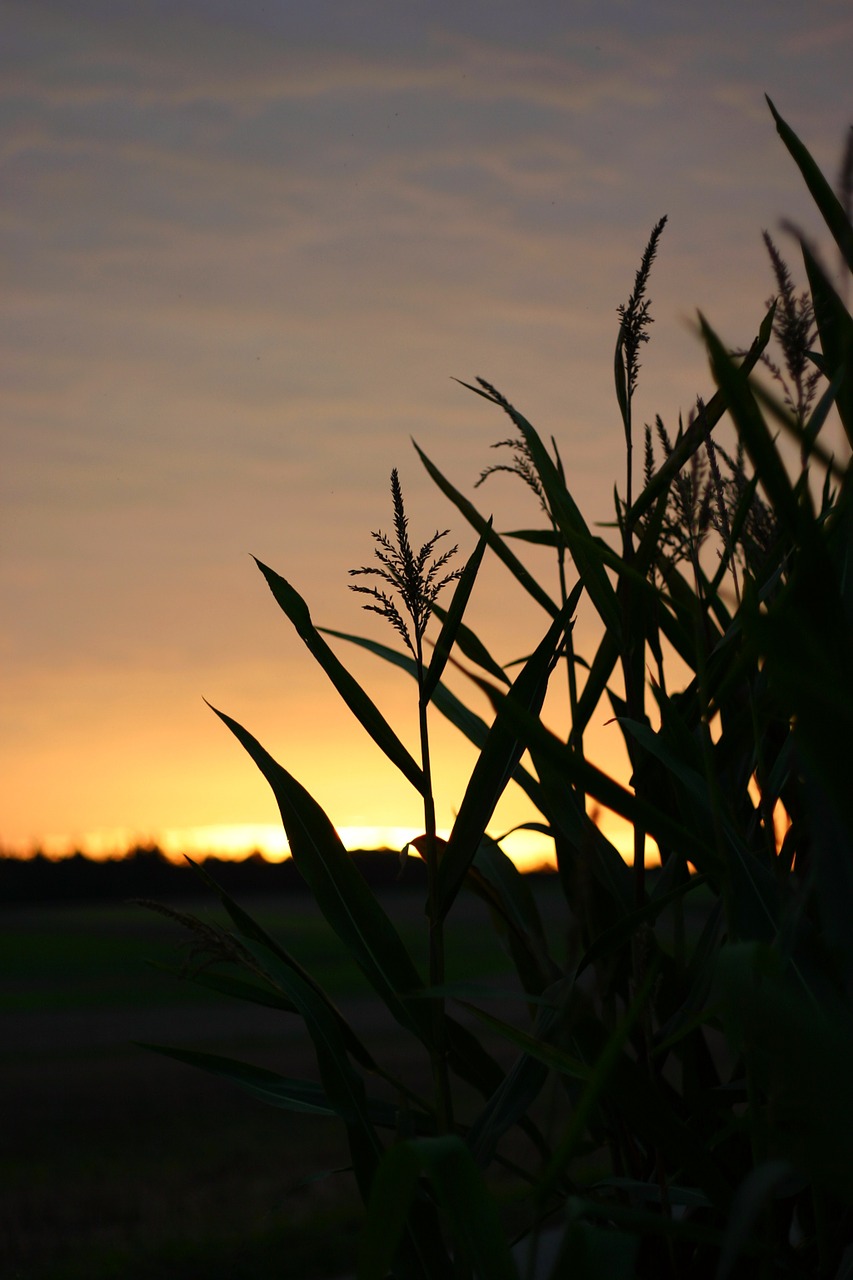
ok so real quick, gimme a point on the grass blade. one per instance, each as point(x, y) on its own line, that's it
point(475, 651)
point(497, 762)
point(461, 1193)
point(495, 541)
point(362, 707)
point(474, 727)
point(824, 197)
point(270, 1087)
point(706, 419)
point(452, 619)
point(340, 891)
point(835, 328)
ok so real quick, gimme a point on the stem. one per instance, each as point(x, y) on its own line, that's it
point(575, 737)
point(438, 1053)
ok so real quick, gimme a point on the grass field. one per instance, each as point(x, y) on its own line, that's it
point(117, 1162)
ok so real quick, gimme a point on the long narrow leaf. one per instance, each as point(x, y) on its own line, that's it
point(340, 891)
point(458, 1186)
point(824, 197)
point(362, 707)
point(474, 727)
point(835, 328)
point(343, 1085)
point(472, 647)
point(498, 760)
point(452, 620)
point(706, 419)
point(495, 541)
point(249, 928)
point(587, 552)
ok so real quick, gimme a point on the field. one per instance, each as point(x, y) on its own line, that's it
point(117, 1161)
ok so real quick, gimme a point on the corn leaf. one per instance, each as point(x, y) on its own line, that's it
point(495, 541)
point(343, 1085)
point(835, 328)
point(340, 891)
point(824, 197)
point(496, 764)
point(249, 928)
point(704, 422)
point(362, 707)
point(459, 1189)
point(475, 651)
point(452, 619)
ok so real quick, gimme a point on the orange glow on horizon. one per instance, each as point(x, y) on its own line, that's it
point(529, 850)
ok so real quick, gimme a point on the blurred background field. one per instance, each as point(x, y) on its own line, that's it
point(117, 1161)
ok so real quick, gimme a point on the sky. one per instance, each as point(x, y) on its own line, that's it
point(246, 249)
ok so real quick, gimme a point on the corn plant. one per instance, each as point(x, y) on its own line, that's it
point(681, 1096)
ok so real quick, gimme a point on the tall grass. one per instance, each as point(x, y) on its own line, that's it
point(683, 1079)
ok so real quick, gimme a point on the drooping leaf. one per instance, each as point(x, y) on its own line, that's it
point(495, 541)
point(458, 1186)
point(276, 1090)
point(452, 619)
point(824, 197)
point(835, 327)
point(248, 928)
point(340, 891)
point(497, 762)
point(475, 651)
point(343, 1085)
point(695, 435)
point(362, 707)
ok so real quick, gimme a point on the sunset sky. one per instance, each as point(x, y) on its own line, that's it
point(246, 248)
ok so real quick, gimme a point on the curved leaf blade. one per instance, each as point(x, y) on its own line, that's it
point(362, 706)
point(458, 1187)
point(495, 541)
point(498, 760)
point(824, 197)
point(340, 891)
point(452, 619)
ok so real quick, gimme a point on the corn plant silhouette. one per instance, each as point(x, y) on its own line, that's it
point(695, 1020)
point(416, 581)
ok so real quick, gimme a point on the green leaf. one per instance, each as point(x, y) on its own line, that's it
point(704, 422)
point(829, 205)
point(460, 1191)
point(270, 1087)
point(564, 808)
point(452, 619)
point(698, 847)
point(551, 1055)
point(474, 727)
point(343, 1085)
point(497, 762)
point(587, 552)
point(495, 541)
point(541, 537)
point(227, 985)
point(615, 937)
point(340, 890)
point(521, 1086)
point(365, 711)
point(249, 928)
point(734, 385)
point(509, 892)
point(475, 651)
point(835, 328)
point(801, 1056)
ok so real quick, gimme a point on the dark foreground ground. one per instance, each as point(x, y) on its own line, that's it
point(116, 1162)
